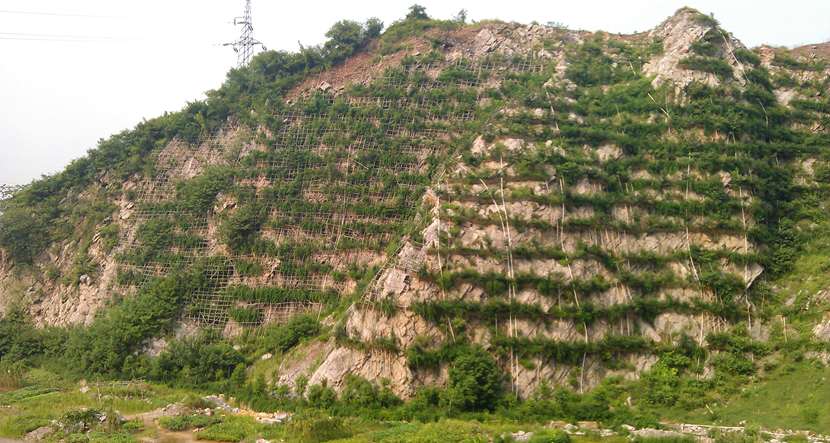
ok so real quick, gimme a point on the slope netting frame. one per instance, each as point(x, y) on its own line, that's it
point(431, 126)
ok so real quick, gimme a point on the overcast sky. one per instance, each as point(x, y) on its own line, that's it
point(73, 72)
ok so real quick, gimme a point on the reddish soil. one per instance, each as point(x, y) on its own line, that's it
point(819, 50)
point(360, 67)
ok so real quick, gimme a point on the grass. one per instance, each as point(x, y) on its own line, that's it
point(450, 431)
point(10, 380)
point(61, 401)
point(238, 427)
point(181, 423)
point(118, 437)
point(789, 396)
point(592, 438)
point(23, 393)
point(792, 396)
point(16, 426)
point(48, 396)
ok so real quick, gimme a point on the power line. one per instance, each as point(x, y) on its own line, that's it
point(73, 15)
point(73, 37)
point(68, 40)
point(29, 162)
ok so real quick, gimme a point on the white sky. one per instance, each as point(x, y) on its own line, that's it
point(60, 94)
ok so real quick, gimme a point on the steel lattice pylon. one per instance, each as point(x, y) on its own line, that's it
point(244, 45)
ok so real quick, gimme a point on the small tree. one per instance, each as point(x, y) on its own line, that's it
point(475, 381)
point(417, 12)
point(300, 383)
point(239, 375)
point(372, 28)
point(345, 38)
point(22, 234)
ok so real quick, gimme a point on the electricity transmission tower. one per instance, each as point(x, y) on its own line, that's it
point(244, 45)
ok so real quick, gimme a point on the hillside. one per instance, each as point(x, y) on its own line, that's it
point(581, 209)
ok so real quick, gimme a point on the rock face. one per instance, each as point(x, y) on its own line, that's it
point(678, 33)
point(40, 434)
point(400, 283)
point(822, 329)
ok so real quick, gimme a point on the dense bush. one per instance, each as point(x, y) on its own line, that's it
point(23, 233)
point(199, 361)
point(555, 436)
point(19, 338)
point(347, 37)
point(184, 422)
point(104, 346)
point(474, 381)
point(276, 294)
point(314, 425)
point(591, 67)
point(198, 194)
point(716, 66)
point(245, 315)
point(282, 338)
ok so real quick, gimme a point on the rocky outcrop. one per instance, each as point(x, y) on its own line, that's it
point(678, 32)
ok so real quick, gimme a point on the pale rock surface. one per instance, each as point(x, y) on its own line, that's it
point(678, 33)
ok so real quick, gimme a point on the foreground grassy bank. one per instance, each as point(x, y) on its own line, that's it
point(69, 410)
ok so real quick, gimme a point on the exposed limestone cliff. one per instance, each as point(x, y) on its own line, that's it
point(678, 33)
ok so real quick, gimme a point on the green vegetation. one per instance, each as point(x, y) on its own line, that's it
point(715, 66)
point(285, 337)
point(599, 209)
point(181, 423)
point(474, 382)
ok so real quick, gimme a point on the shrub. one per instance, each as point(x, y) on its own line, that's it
point(246, 315)
point(194, 401)
point(591, 67)
point(289, 335)
point(664, 439)
point(474, 381)
point(746, 56)
point(196, 361)
point(347, 37)
point(559, 436)
point(22, 234)
point(77, 438)
point(221, 433)
point(104, 346)
point(705, 20)
point(239, 230)
point(733, 363)
point(20, 425)
point(133, 426)
point(198, 194)
point(321, 396)
point(118, 437)
point(718, 67)
point(87, 416)
point(183, 422)
point(19, 339)
point(704, 48)
point(314, 425)
point(173, 423)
